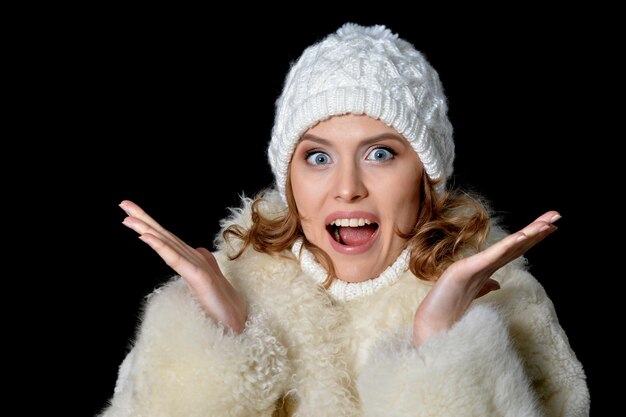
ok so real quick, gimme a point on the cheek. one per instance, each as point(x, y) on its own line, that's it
point(404, 202)
point(307, 209)
point(410, 209)
point(306, 195)
point(300, 190)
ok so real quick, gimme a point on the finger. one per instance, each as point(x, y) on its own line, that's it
point(208, 256)
point(133, 210)
point(490, 285)
point(516, 244)
point(142, 227)
point(529, 237)
point(178, 262)
point(549, 217)
point(139, 226)
point(541, 224)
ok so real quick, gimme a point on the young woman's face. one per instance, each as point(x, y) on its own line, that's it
point(356, 181)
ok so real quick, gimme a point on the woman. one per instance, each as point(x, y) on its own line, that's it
point(359, 286)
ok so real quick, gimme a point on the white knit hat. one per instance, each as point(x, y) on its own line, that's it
point(364, 70)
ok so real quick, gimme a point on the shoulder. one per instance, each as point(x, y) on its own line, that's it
point(522, 300)
point(256, 268)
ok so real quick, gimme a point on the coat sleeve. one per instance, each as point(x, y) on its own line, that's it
point(514, 359)
point(184, 364)
point(471, 370)
point(556, 374)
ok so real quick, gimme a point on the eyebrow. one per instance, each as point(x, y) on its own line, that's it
point(367, 141)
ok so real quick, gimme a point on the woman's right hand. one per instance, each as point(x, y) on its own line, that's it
point(197, 267)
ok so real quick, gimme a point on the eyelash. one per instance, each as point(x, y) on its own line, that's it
point(387, 148)
point(311, 152)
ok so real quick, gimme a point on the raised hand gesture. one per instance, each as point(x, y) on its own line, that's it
point(469, 278)
point(197, 267)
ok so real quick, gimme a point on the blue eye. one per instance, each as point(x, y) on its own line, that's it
point(318, 158)
point(380, 154)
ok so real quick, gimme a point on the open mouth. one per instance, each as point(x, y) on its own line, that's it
point(352, 232)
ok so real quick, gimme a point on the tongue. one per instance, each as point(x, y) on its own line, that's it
point(356, 236)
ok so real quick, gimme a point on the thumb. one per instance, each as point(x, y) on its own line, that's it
point(490, 285)
point(206, 254)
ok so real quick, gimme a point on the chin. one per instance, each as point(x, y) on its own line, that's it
point(363, 271)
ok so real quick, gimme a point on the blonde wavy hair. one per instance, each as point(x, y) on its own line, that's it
point(448, 225)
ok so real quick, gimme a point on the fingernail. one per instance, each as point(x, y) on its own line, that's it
point(521, 237)
point(544, 227)
point(123, 207)
point(555, 218)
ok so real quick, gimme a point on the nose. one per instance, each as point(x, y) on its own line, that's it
point(349, 184)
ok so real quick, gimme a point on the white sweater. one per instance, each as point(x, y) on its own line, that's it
point(304, 353)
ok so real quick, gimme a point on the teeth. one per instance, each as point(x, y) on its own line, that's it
point(354, 222)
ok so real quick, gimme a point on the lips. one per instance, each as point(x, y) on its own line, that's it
point(352, 232)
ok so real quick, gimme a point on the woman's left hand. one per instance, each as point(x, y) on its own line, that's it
point(469, 278)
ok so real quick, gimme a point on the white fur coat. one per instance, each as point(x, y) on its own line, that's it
point(304, 354)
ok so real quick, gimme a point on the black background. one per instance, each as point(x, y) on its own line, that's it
point(175, 113)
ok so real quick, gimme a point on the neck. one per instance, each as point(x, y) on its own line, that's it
point(342, 290)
